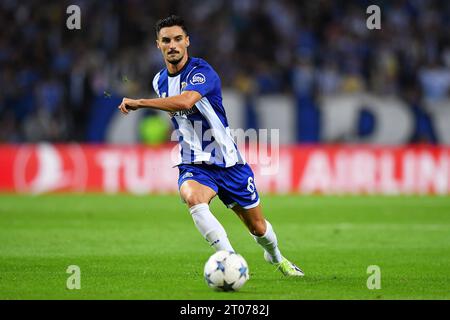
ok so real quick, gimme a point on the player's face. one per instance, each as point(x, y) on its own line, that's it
point(173, 43)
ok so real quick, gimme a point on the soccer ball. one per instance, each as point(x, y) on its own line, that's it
point(226, 271)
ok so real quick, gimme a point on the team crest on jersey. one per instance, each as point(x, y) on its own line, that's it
point(198, 78)
point(183, 85)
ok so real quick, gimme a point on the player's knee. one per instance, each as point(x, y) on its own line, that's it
point(193, 199)
point(258, 228)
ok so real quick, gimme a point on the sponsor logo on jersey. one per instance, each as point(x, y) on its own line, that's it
point(198, 78)
point(184, 112)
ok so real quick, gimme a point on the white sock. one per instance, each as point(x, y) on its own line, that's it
point(210, 227)
point(269, 242)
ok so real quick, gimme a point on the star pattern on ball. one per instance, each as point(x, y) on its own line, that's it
point(242, 271)
point(208, 280)
point(226, 286)
point(220, 266)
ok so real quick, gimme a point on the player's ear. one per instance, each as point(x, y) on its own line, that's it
point(187, 41)
point(157, 44)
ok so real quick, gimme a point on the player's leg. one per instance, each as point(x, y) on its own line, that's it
point(238, 191)
point(261, 229)
point(265, 236)
point(198, 196)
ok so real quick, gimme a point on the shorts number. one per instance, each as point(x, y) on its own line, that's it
point(250, 185)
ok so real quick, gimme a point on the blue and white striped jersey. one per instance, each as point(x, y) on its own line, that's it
point(203, 132)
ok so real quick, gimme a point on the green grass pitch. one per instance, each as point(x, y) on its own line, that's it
point(146, 247)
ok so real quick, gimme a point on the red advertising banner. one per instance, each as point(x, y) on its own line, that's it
point(333, 169)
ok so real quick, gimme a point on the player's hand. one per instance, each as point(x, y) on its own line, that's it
point(127, 105)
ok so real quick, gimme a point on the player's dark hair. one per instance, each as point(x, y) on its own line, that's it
point(170, 21)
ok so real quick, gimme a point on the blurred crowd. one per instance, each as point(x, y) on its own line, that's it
point(51, 77)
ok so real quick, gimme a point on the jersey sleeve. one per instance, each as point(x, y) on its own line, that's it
point(155, 83)
point(202, 79)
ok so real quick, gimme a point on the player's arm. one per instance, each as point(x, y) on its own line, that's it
point(183, 101)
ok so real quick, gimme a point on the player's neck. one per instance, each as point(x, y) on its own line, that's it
point(174, 68)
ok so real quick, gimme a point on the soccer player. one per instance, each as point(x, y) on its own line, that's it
point(210, 163)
